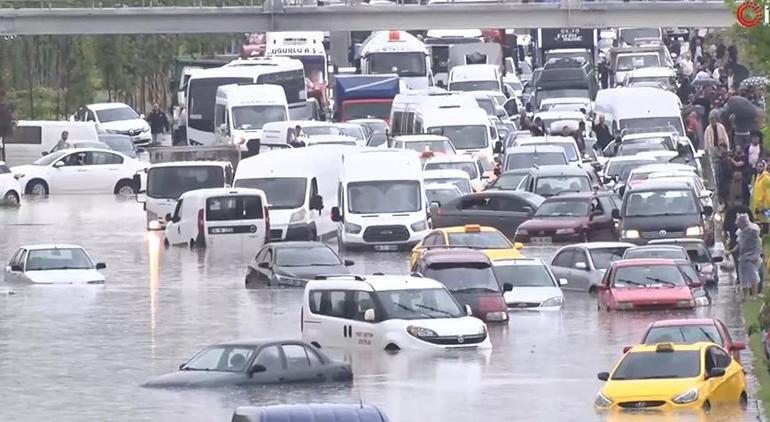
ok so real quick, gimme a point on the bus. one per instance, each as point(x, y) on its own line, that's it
point(307, 47)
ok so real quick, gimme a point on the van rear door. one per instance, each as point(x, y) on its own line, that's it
point(237, 220)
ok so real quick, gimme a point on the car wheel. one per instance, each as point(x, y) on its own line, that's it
point(706, 406)
point(37, 187)
point(12, 198)
point(125, 188)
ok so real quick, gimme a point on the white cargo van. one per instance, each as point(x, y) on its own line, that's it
point(381, 200)
point(32, 138)
point(387, 312)
point(476, 77)
point(281, 132)
point(242, 110)
point(637, 109)
point(469, 128)
point(301, 187)
point(228, 218)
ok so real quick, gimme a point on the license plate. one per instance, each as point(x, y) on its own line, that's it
point(221, 230)
point(385, 247)
point(540, 240)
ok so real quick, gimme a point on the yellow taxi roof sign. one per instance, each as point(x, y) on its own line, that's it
point(472, 228)
point(664, 347)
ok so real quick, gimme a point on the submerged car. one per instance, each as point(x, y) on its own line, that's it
point(254, 362)
point(53, 264)
point(645, 284)
point(292, 264)
point(529, 285)
point(472, 236)
point(583, 264)
point(685, 331)
point(309, 413)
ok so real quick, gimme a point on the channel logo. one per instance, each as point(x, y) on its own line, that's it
point(750, 14)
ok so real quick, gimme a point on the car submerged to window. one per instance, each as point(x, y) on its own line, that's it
point(529, 285)
point(53, 264)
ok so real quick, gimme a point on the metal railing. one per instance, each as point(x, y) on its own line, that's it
point(119, 4)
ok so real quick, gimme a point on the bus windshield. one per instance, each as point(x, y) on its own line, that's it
point(201, 99)
point(400, 63)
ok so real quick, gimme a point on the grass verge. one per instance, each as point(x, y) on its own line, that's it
point(751, 310)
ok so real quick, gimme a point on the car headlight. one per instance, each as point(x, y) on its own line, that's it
point(685, 304)
point(694, 231)
point(298, 216)
point(565, 231)
point(497, 316)
point(419, 226)
point(602, 401)
point(630, 234)
point(352, 228)
point(688, 396)
point(554, 301)
point(625, 305)
point(420, 332)
point(289, 280)
point(482, 329)
point(145, 129)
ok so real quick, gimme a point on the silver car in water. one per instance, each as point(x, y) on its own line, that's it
point(583, 264)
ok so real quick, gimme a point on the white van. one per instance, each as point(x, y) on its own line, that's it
point(301, 187)
point(469, 129)
point(381, 200)
point(387, 312)
point(164, 183)
point(404, 105)
point(279, 132)
point(639, 109)
point(32, 138)
point(476, 77)
point(242, 110)
point(236, 219)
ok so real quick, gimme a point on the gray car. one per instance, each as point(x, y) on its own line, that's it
point(583, 264)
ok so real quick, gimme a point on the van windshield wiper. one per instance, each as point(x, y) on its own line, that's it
point(402, 306)
point(430, 308)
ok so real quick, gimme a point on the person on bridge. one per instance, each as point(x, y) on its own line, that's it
point(158, 123)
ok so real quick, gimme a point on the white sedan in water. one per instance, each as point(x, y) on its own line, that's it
point(53, 264)
point(10, 188)
point(85, 170)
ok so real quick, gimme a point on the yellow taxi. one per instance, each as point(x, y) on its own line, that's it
point(668, 376)
point(487, 239)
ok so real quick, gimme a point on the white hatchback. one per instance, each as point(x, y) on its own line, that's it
point(53, 264)
point(532, 285)
point(10, 188)
point(387, 312)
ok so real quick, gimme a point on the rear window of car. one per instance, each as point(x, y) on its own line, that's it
point(226, 208)
point(684, 334)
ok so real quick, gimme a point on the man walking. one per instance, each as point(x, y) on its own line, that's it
point(158, 123)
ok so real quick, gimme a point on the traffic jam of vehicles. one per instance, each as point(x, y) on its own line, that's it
point(500, 168)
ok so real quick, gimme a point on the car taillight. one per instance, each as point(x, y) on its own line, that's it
point(201, 221)
point(267, 225)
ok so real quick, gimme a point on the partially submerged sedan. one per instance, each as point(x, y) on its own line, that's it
point(53, 264)
point(250, 362)
point(644, 284)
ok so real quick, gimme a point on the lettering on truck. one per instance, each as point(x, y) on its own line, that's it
point(308, 50)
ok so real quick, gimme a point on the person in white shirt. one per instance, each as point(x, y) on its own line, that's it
point(754, 150)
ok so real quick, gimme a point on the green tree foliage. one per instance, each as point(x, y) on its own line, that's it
point(753, 43)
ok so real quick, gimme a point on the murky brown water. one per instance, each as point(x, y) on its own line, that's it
point(79, 353)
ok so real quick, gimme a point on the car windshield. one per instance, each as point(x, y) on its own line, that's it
point(282, 193)
point(463, 184)
point(442, 196)
point(171, 182)
point(549, 186)
point(655, 253)
point(563, 107)
point(50, 158)
point(631, 148)
point(221, 359)
point(435, 146)
point(377, 139)
point(566, 208)
point(468, 167)
point(464, 277)
point(683, 334)
point(525, 275)
point(481, 240)
point(201, 97)
point(616, 167)
point(658, 365)
point(233, 207)
point(306, 256)
point(648, 276)
point(510, 181)
point(631, 62)
point(58, 259)
point(463, 137)
point(366, 110)
point(469, 86)
point(419, 304)
point(569, 148)
point(116, 114)
point(603, 257)
point(642, 123)
point(665, 81)
point(400, 63)
point(392, 196)
point(661, 202)
point(355, 132)
point(253, 117)
point(524, 160)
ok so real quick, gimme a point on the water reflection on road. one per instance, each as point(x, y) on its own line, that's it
point(80, 352)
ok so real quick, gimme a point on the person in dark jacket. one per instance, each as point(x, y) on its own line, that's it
point(158, 123)
point(602, 133)
point(537, 128)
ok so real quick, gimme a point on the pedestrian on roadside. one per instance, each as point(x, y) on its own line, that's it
point(602, 132)
point(760, 195)
point(158, 123)
point(62, 143)
point(749, 251)
point(715, 134)
point(579, 136)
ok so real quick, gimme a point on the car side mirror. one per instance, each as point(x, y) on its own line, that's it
point(468, 310)
point(257, 368)
point(738, 345)
point(626, 349)
point(16, 268)
point(616, 214)
point(507, 287)
point(602, 288)
point(581, 266)
point(44, 153)
point(518, 245)
point(317, 203)
point(717, 259)
point(603, 376)
point(265, 265)
point(336, 214)
point(101, 265)
point(715, 373)
point(58, 164)
point(369, 315)
point(708, 210)
point(349, 263)
point(563, 282)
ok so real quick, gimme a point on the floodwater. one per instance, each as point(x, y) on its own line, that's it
point(79, 353)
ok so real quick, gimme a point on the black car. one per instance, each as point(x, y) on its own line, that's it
point(503, 210)
point(292, 264)
point(247, 363)
point(660, 210)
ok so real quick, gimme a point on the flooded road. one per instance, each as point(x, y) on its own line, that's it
point(80, 353)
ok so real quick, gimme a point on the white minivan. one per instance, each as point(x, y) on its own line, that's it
point(242, 110)
point(387, 312)
point(282, 132)
point(233, 218)
point(33, 138)
point(381, 199)
point(476, 77)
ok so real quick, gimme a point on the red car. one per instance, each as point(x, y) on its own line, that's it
point(692, 331)
point(644, 284)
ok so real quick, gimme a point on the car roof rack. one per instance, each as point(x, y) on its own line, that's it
point(356, 277)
